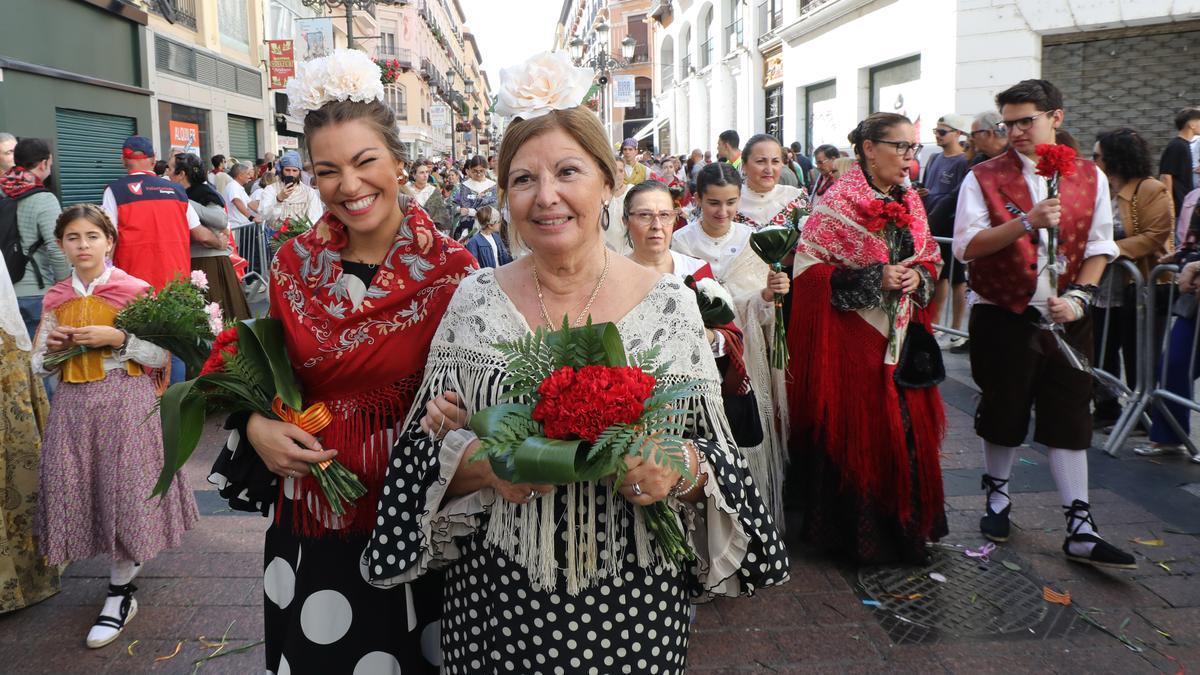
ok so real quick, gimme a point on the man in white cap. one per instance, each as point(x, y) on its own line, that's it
point(943, 176)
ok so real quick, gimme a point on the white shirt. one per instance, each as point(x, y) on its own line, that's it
point(109, 204)
point(235, 190)
point(720, 252)
point(304, 201)
point(972, 217)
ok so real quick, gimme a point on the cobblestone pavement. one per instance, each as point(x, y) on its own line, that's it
point(992, 616)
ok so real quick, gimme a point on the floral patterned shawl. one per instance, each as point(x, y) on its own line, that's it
point(361, 350)
point(834, 235)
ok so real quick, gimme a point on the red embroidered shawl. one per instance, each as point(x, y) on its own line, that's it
point(365, 363)
point(841, 395)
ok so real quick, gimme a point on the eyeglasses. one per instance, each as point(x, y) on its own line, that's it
point(942, 132)
point(981, 131)
point(1022, 123)
point(647, 217)
point(903, 148)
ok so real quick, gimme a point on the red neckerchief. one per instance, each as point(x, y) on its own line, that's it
point(17, 181)
point(365, 364)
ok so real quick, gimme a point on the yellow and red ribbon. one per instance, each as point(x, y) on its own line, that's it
point(312, 419)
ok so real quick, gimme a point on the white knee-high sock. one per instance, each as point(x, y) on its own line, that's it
point(123, 571)
point(1070, 471)
point(998, 462)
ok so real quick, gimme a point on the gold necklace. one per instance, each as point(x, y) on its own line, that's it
point(586, 308)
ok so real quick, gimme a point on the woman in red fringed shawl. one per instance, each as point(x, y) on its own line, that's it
point(867, 421)
point(360, 296)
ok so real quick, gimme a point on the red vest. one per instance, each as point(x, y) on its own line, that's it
point(153, 240)
point(1008, 277)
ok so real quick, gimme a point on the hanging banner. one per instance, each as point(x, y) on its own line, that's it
point(624, 93)
point(315, 37)
point(281, 62)
point(185, 137)
point(438, 117)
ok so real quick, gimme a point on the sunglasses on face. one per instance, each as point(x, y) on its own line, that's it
point(942, 132)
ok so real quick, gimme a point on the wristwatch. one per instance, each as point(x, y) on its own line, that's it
point(1026, 223)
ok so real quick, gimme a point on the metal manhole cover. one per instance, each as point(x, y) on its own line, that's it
point(976, 598)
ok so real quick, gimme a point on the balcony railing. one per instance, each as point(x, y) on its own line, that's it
point(769, 14)
point(667, 76)
point(404, 56)
point(685, 66)
point(641, 50)
point(182, 12)
point(810, 6)
point(707, 52)
point(734, 34)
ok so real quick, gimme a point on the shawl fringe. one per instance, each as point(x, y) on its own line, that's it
point(844, 400)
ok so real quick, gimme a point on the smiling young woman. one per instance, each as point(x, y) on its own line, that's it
point(359, 297)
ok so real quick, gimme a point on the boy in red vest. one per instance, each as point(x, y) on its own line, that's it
point(1000, 232)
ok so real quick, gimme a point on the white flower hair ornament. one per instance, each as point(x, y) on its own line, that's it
point(546, 82)
point(344, 75)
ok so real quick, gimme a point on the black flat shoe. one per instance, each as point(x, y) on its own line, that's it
point(1103, 553)
point(993, 525)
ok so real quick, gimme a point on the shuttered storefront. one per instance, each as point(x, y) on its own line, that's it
point(88, 153)
point(243, 139)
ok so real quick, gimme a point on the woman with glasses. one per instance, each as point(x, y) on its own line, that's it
point(765, 201)
point(866, 417)
point(717, 238)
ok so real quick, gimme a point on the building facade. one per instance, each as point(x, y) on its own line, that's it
point(600, 28)
point(438, 58)
point(709, 73)
point(77, 73)
point(209, 86)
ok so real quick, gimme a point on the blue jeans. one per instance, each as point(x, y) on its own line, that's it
point(178, 371)
point(1176, 380)
point(31, 314)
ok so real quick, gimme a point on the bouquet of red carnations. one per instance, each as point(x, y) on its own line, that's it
point(888, 218)
point(576, 407)
point(1055, 162)
point(289, 229)
point(247, 371)
point(176, 318)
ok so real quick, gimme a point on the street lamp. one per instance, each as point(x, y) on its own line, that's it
point(349, 5)
point(448, 97)
point(602, 61)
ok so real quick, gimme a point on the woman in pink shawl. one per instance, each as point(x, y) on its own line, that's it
point(103, 448)
point(866, 417)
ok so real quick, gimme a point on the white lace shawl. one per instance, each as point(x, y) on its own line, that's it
point(462, 359)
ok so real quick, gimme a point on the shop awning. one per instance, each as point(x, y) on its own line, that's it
point(651, 127)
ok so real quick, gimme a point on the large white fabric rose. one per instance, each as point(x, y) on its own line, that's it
point(547, 81)
point(344, 75)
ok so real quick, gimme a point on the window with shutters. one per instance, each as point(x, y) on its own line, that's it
point(233, 20)
point(243, 138)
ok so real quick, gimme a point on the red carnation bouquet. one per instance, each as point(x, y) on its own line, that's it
point(290, 228)
point(247, 371)
point(888, 218)
point(576, 406)
point(1054, 163)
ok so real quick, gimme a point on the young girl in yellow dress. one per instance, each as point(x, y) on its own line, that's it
point(103, 450)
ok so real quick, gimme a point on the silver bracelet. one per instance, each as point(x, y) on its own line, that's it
point(683, 486)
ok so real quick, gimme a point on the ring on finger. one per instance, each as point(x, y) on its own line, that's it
point(529, 497)
point(637, 490)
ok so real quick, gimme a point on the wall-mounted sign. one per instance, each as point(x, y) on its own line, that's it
point(314, 38)
point(185, 137)
point(624, 93)
point(281, 62)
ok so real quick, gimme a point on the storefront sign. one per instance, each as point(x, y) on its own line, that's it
point(185, 137)
point(289, 142)
point(281, 62)
point(624, 93)
point(315, 38)
point(773, 69)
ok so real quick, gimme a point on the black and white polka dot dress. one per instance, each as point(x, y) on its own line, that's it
point(502, 611)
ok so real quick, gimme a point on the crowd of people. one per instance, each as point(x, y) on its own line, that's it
point(444, 563)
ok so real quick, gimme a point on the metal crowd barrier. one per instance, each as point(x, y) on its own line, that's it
point(946, 312)
point(1157, 394)
point(253, 246)
point(1148, 391)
